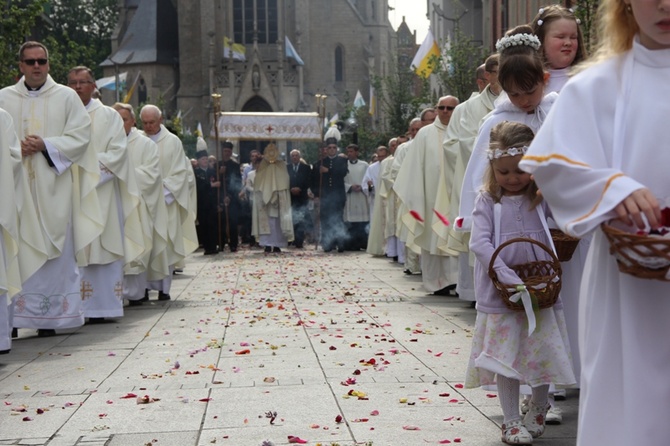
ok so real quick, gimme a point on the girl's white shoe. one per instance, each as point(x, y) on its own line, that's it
point(535, 419)
point(515, 432)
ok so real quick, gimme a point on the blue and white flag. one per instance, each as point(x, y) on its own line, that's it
point(291, 53)
point(358, 100)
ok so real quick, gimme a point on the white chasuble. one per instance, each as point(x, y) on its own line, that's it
point(64, 196)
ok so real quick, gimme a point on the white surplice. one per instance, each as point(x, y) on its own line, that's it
point(605, 138)
point(371, 174)
point(65, 198)
point(356, 208)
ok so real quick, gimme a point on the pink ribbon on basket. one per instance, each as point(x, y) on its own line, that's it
point(523, 295)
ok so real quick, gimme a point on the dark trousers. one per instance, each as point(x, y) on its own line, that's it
point(207, 230)
point(229, 223)
point(333, 231)
point(300, 215)
point(358, 237)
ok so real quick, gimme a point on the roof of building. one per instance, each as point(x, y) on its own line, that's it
point(152, 36)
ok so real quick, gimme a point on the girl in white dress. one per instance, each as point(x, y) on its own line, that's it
point(522, 75)
point(510, 347)
point(603, 154)
point(562, 43)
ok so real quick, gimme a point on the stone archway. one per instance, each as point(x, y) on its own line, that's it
point(254, 104)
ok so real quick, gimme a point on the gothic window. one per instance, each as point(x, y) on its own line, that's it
point(266, 16)
point(339, 64)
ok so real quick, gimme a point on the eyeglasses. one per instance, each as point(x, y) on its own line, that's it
point(448, 107)
point(31, 62)
point(78, 83)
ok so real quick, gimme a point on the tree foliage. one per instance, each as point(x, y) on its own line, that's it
point(456, 68)
point(16, 23)
point(80, 34)
point(398, 100)
point(76, 32)
point(586, 11)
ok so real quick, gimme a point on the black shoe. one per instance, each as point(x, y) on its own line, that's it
point(96, 320)
point(163, 296)
point(449, 290)
point(408, 272)
point(233, 249)
point(4, 352)
point(15, 332)
point(276, 249)
point(146, 296)
point(395, 258)
point(45, 333)
point(268, 249)
point(340, 249)
point(135, 303)
point(210, 252)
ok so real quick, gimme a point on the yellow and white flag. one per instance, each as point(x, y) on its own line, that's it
point(421, 62)
point(237, 49)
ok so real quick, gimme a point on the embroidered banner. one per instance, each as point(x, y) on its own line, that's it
point(269, 126)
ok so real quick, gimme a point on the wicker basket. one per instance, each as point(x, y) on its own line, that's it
point(565, 244)
point(541, 277)
point(643, 256)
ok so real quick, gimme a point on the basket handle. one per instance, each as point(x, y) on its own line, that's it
point(492, 273)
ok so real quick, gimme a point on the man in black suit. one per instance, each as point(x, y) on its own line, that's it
point(299, 175)
point(328, 188)
point(206, 184)
point(230, 200)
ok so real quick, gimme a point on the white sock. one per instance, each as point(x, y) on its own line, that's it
point(508, 391)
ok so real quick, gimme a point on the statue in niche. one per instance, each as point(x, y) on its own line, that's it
point(256, 78)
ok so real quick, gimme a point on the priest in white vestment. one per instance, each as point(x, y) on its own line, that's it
point(271, 218)
point(375, 245)
point(22, 249)
point(122, 240)
point(418, 185)
point(54, 130)
point(460, 140)
point(356, 208)
point(176, 172)
point(153, 264)
point(401, 235)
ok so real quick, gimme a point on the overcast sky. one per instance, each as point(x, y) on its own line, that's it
point(415, 16)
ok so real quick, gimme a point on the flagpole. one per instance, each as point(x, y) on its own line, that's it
point(216, 102)
point(321, 110)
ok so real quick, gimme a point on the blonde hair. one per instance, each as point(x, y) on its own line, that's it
point(503, 136)
point(616, 30)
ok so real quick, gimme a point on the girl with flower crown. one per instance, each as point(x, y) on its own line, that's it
point(602, 155)
point(522, 76)
point(511, 347)
point(562, 43)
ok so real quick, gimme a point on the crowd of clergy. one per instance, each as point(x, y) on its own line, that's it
point(101, 211)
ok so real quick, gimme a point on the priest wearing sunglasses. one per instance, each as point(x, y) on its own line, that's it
point(54, 129)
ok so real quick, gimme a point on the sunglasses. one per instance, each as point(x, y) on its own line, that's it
point(448, 107)
point(31, 62)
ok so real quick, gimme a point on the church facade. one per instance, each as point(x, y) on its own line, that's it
point(186, 50)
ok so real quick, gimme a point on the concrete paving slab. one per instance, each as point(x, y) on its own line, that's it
point(310, 328)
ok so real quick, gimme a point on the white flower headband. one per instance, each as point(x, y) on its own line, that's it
point(530, 40)
point(494, 154)
point(541, 11)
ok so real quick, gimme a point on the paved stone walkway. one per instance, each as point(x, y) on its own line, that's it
point(332, 349)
